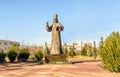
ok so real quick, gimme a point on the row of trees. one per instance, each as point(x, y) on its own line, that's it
point(90, 51)
point(109, 51)
point(86, 50)
point(15, 53)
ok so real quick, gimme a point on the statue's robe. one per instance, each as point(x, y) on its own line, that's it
point(56, 47)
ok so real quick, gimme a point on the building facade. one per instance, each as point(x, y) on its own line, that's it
point(5, 44)
point(78, 45)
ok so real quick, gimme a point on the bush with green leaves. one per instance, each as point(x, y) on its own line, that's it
point(14, 47)
point(72, 53)
point(23, 55)
point(2, 56)
point(84, 50)
point(12, 52)
point(110, 52)
point(38, 55)
point(78, 52)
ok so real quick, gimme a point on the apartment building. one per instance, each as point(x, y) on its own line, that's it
point(5, 44)
point(79, 44)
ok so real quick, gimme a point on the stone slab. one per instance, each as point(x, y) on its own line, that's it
point(55, 58)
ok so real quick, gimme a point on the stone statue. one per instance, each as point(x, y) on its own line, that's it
point(56, 27)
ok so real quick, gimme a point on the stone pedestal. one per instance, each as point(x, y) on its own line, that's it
point(56, 58)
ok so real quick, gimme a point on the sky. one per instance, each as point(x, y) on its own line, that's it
point(83, 20)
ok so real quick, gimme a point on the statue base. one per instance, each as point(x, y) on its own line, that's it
point(56, 58)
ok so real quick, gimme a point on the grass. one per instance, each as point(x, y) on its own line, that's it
point(79, 57)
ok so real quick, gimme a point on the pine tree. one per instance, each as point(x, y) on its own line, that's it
point(46, 50)
point(100, 46)
point(89, 52)
point(65, 50)
point(94, 51)
point(72, 53)
point(84, 50)
point(12, 52)
point(110, 52)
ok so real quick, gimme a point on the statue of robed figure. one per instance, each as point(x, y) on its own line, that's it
point(55, 28)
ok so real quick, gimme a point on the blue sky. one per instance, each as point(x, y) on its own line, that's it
point(24, 20)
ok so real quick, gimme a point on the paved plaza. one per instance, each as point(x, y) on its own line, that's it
point(84, 69)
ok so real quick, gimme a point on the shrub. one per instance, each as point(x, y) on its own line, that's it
point(72, 53)
point(110, 52)
point(11, 54)
point(23, 55)
point(14, 47)
point(2, 55)
point(84, 51)
point(38, 55)
point(78, 52)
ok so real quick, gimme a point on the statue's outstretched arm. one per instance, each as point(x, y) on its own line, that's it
point(62, 28)
point(49, 28)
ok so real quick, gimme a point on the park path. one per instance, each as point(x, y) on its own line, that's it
point(83, 69)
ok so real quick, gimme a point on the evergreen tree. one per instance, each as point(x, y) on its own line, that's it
point(46, 50)
point(72, 53)
point(12, 52)
point(2, 56)
point(89, 52)
point(65, 50)
point(100, 46)
point(94, 51)
point(110, 52)
point(84, 50)
point(23, 54)
point(38, 55)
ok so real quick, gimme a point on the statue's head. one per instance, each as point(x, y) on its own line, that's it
point(55, 20)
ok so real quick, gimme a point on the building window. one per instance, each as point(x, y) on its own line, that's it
point(11, 43)
point(5, 43)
